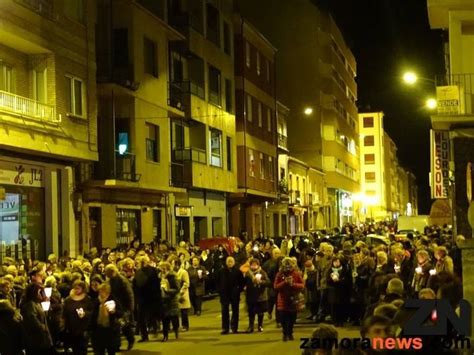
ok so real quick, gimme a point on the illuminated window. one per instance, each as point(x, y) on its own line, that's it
point(368, 122)
point(251, 163)
point(369, 158)
point(216, 147)
point(369, 141)
point(247, 54)
point(370, 176)
point(270, 169)
point(262, 167)
point(75, 96)
point(258, 62)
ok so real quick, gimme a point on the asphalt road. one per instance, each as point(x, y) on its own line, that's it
point(204, 337)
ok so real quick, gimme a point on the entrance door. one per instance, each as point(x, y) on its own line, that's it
point(284, 227)
point(182, 229)
point(95, 227)
point(217, 229)
point(200, 229)
point(276, 229)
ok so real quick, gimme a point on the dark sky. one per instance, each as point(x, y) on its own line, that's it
point(387, 37)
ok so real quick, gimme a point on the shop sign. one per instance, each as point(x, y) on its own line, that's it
point(447, 98)
point(439, 164)
point(183, 211)
point(12, 173)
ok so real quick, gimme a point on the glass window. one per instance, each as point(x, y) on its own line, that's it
point(228, 96)
point(5, 78)
point(368, 122)
point(369, 158)
point(229, 153)
point(249, 108)
point(216, 147)
point(369, 141)
point(271, 169)
point(40, 86)
point(370, 176)
point(227, 38)
point(251, 163)
point(149, 57)
point(127, 226)
point(152, 142)
point(75, 94)
point(268, 67)
point(262, 167)
point(269, 119)
point(259, 106)
point(213, 24)
point(214, 85)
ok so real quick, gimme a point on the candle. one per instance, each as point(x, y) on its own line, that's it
point(48, 291)
point(110, 305)
point(418, 270)
point(45, 305)
point(258, 277)
point(432, 272)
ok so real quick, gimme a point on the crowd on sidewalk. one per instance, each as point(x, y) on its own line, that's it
point(96, 298)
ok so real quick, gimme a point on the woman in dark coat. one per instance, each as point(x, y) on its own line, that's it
point(105, 325)
point(37, 336)
point(169, 295)
point(337, 278)
point(11, 334)
point(421, 273)
point(288, 284)
point(76, 312)
point(256, 281)
point(197, 278)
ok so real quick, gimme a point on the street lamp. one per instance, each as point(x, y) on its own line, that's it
point(431, 104)
point(410, 78)
point(308, 111)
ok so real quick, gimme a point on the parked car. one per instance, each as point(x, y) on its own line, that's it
point(374, 240)
point(227, 242)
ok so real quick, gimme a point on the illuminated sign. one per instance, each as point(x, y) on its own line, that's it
point(439, 164)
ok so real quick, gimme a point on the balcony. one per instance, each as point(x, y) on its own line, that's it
point(179, 93)
point(282, 141)
point(24, 107)
point(42, 7)
point(283, 187)
point(189, 154)
point(183, 21)
point(182, 163)
point(125, 167)
point(295, 197)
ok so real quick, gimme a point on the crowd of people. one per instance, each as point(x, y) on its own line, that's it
point(146, 288)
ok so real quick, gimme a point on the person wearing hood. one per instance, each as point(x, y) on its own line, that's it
point(421, 275)
point(337, 277)
point(11, 331)
point(256, 282)
point(288, 283)
point(76, 313)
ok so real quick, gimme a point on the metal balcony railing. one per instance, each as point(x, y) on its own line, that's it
point(189, 154)
point(455, 94)
point(282, 141)
point(25, 107)
point(125, 167)
point(181, 175)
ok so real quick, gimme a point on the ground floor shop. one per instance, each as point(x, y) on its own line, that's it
point(341, 207)
point(36, 208)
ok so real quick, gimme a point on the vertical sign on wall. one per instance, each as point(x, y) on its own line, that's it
point(439, 164)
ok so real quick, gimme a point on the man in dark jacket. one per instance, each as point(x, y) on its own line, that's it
point(146, 286)
point(271, 268)
point(11, 334)
point(197, 279)
point(230, 282)
point(121, 290)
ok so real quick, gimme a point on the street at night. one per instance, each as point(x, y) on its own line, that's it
point(168, 164)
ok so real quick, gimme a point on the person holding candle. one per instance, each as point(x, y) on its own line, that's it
point(37, 336)
point(443, 260)
point(256, 282)
point(337, 277)
point(169, 296)
point(197, 278)
point(422, 271)
point(76, 314)
point(105, 325)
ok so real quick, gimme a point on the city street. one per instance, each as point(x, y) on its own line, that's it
point(204, 337)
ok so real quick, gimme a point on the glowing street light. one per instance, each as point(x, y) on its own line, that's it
point(410, 78)
point(308, 111)
point(431, 104)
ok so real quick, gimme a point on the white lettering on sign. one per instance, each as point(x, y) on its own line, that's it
point(439, 164)
point(12, 173)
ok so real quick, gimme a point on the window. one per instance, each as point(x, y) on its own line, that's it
point(268, 69)
point(369, 158)
point(229, 153)
point(370, 176)
point(369, 141)
point(149, 57)
point(259, 107)
point(216, 147)
point(75, 95)
point(258, 62)
point(214, 85)
point(227, 39)
point(6, 82)
point(120, 48)
point(269, 119)
point(262, 167)
point(152, 142)
point(228, 95)
point(249, 108)
point(74, 9)
point(127, 226)
point(251, 163)
point(213, 24)
point(282, 173)
point(270, 169)
point(40, 86)
point(368, 122)
point(247, 54)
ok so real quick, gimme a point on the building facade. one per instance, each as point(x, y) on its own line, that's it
point(256, 141)
point(48, 117)
point(317, 83)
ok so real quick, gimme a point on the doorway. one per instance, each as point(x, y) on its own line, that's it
point(95, 227)
point(200, 229)
point(276, 229)
point(182, 229)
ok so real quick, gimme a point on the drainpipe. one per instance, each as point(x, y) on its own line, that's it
point(244, 118)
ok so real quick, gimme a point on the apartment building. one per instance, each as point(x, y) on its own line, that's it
point(203, 142)
point(455, 108)
point(48, 116)
point(256, 137)
point(316, 71)
point(391, 165)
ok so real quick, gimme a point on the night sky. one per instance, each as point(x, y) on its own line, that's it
point(387, 37)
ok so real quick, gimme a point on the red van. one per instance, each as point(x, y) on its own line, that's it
point(227, 242)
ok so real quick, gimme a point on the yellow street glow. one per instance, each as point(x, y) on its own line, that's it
point(308, 111)
point(410, 78)
point(431, 104)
